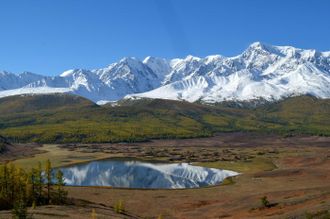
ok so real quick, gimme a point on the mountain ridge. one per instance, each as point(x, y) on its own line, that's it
point(64, 118)
point(261, 71)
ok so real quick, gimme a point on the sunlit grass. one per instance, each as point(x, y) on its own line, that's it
point(58, 157)
point(254, 165)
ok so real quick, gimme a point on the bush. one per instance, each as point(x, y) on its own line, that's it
point(265, 203)
point(119, 207)
point(20, 210)
point(94, 215)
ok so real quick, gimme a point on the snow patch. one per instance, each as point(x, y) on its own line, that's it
point(32, 91)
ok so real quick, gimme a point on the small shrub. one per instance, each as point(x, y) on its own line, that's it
point(119, 207)
point(20, 210)
point(228, 181)
point(33, 205)
point(264, 201)
point(94, 214)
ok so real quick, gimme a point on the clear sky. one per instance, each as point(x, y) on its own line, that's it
point(49, 37)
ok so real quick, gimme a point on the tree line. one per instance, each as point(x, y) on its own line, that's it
point(39, 186)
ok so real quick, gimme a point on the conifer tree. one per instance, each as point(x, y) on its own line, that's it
point(32, 185)
point(4, 181)
point(48, 172)
point(61, 194)
point(11, 176)
point(20, 181)
point(39, 183)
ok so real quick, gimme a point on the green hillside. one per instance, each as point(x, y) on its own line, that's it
point(68, 118)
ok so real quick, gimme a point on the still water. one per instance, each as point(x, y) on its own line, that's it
point(138, 174)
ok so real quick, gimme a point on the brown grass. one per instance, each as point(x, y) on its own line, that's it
point(294, 174)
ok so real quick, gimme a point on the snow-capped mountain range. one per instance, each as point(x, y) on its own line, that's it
point(261, 71)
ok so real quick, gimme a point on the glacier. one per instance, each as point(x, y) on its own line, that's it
point(262, 71)
point(137, 174)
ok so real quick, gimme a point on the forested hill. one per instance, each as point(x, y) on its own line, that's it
point(62, 118)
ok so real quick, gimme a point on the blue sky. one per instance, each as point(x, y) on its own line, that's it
point(49, 37)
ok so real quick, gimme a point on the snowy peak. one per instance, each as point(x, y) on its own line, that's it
point(261, 71)
point(213, 59)
point(259, 47)
point(67, 73)
point(160, 66)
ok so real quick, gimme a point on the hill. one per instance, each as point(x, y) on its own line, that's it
point(62, 118)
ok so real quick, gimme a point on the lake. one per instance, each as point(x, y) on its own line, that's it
point(138, 174)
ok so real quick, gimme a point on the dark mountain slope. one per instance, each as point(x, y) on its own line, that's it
point(67, 118)
point(3, 144)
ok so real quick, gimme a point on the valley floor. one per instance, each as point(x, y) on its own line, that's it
point(294, 174)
